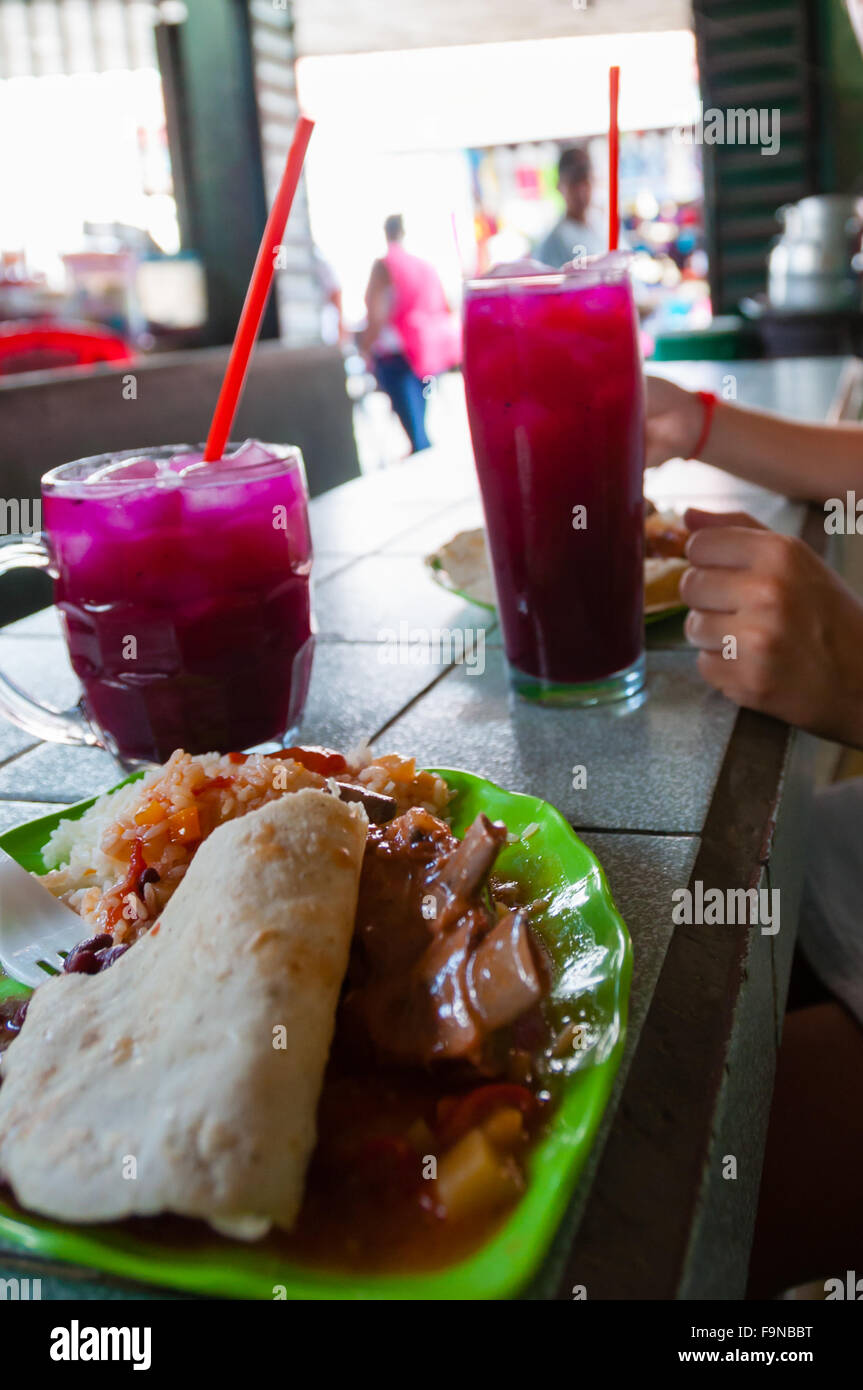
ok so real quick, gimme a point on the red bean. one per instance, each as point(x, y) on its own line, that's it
point(82, 960)
point(109, 954)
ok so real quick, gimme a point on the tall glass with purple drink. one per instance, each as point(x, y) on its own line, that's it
point(183, 589)
point(555, 399)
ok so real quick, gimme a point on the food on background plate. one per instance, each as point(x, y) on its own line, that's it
point(168, 1060)
point(665, 563)
point(662, 576)
point(464, 560)
point(441, 1047)
point(664, 532)
point(462, 564)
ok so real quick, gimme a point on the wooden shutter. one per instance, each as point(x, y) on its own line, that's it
point(754, 53)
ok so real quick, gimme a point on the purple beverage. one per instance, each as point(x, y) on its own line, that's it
point(555, 399)
point(184, 593)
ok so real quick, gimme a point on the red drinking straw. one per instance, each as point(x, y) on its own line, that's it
point(613, 156)
point(256, 295)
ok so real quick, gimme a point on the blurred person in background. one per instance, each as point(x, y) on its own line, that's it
point(333, 328)
point(578, 228)
point(412, 334)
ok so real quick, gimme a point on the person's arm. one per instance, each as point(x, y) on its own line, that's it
point(812, 462)
point(378, 295)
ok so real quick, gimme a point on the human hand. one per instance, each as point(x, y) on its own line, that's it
point(777, 630)
point(674, 421)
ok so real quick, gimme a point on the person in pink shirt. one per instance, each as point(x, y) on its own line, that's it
point(412, 335)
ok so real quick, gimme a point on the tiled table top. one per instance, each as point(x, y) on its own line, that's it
point(650, 771)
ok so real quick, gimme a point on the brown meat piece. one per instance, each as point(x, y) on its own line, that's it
point(432, 971)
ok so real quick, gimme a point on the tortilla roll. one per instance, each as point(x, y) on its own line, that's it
point(185, 1078)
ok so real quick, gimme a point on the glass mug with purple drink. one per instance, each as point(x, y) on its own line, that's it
point(556, 406)
point(183, 589)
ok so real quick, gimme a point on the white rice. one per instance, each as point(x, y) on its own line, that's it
point(89, 860)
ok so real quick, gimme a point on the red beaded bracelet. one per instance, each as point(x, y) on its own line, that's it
point(708, 400)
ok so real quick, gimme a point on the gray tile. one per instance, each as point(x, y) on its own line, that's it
point(363, 515)
point(14, 813)
point(45, 623)
point(651, 768)
point(323, 566)
point(356, 522)
point(643, 871)
point(56, 772)
point(13, 740)
point(439, 476)
point(380, 593)
point(802, 387)
point(353, 693)
point(40, 667)
point(422, 540)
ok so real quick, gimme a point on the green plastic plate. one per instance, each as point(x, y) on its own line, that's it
point(442, 577)
point(592, 960)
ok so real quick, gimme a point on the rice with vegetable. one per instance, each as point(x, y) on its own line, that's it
point(119, 864)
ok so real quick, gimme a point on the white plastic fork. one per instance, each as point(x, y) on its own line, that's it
point(36, 930)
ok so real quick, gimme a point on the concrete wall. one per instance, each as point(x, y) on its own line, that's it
point(291, 397)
